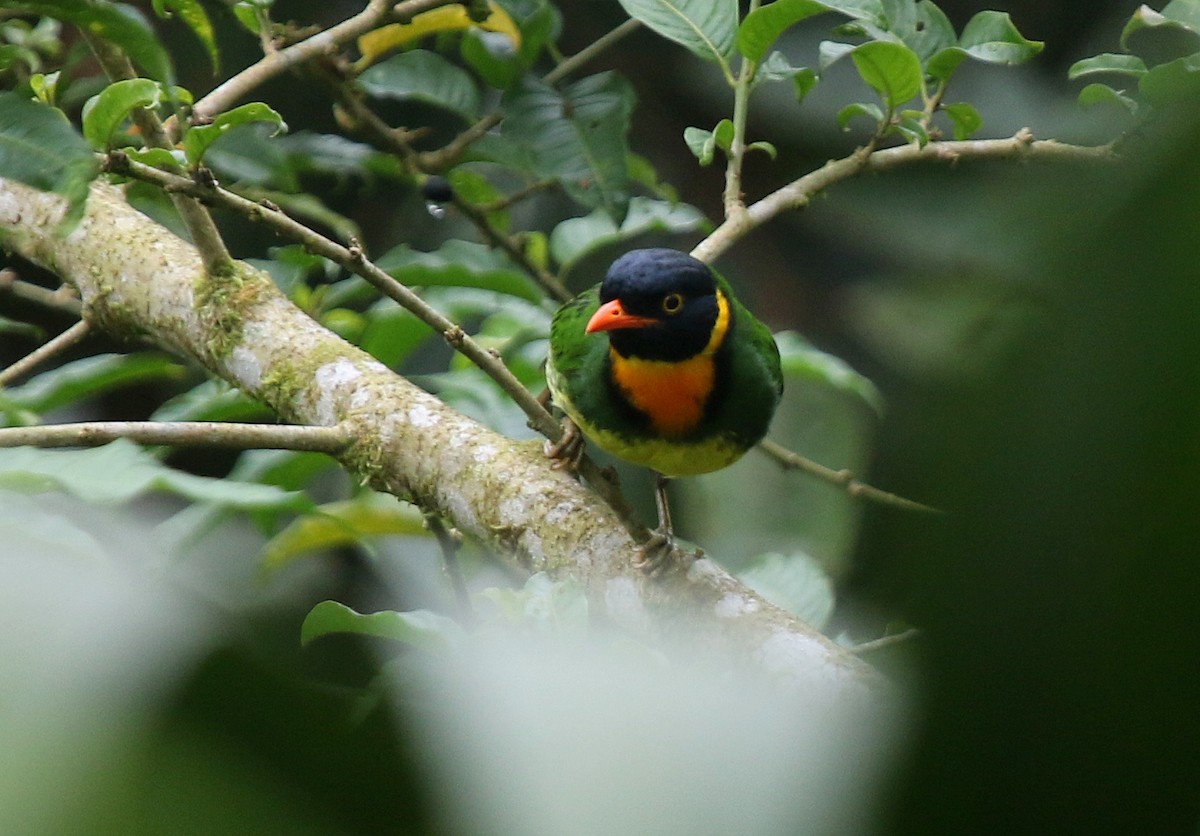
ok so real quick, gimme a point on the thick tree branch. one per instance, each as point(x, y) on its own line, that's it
point(136, 278)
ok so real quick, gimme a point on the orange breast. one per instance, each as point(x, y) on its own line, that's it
point(671, 395)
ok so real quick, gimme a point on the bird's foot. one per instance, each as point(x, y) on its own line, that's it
point(661, 554)
point(568, 450)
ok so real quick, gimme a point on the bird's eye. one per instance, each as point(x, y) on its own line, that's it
point(672, 303)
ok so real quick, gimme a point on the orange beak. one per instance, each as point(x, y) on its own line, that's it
point(611, 316)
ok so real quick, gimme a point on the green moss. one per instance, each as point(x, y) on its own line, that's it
point(221, 302)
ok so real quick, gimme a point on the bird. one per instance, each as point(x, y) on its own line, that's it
point(661, 365)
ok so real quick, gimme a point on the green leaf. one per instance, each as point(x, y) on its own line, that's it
point(764, 25)
point(38, 147)
point(493, 56)
point(423, 76)
point(804, 363)
point(702, 143)
point(196, 18)
point(392, 334)
point(1108, 63)
point(1172, 83)
point(765, 147)
point(199, 137)
point(803, 82)
point(965, 119)
point(156, 157)
point(1096, 94)
point(829, 52)
point(1164, 36)
point(796, 582)
point(420, 628)
point(28, 527)
point(552, 606)
point(72, 382)
point(990, 37)
point(932, 31)
point(911, 127)
point(118, 23)
point(865, 109)
point(892, 69)
point(344, 523)
point(723, 135)
point(459, 264)
point(708, 28)
point(212, 400)
point(576, 135)
point(575, 238)
point(121, 471)
point(104, 113)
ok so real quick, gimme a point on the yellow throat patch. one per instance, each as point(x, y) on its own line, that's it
point(673, 394)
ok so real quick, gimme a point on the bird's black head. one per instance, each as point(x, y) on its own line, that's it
point(658, 304)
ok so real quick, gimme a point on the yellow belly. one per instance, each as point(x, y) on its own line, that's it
point(668, 457)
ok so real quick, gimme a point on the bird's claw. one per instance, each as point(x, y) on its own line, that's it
point(661, 554)
point(568, 450)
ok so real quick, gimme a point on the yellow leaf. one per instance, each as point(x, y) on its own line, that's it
point(379, 42)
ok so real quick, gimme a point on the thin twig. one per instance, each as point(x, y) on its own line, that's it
point(443, 158)
point(799, 193)
point(237, 87)
point(330, 440)
point(44, 352)
point(512, 249)
point(579, 59)
point(842, 478)
point(450, 540)
point(63, 299)
point(200, 225)
point(884, 641)
point(354, 260)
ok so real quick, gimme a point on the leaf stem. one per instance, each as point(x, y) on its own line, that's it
point(215, 256)
point(733, 200)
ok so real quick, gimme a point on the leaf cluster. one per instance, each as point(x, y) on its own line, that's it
point(1160, 61)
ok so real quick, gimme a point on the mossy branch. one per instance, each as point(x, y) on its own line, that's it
point(405, 441)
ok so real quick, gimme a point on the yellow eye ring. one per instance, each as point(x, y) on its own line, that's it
point(672, 303)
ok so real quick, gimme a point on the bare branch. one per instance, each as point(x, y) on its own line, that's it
point(64, 298)
point(44, 352)
point(331, 440)
point(237, 87)
point(798, 193)
point(842, 478)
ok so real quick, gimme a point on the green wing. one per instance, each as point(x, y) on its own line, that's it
point(756, 379)
point(576, 370)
